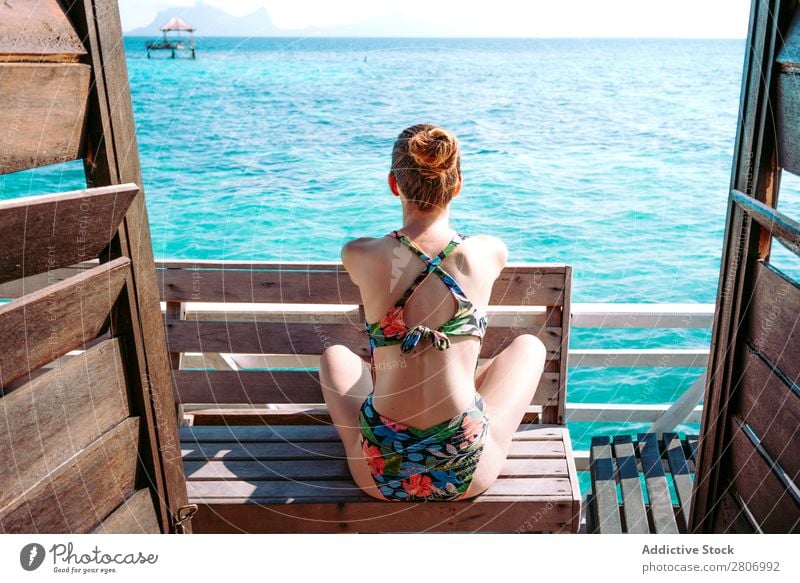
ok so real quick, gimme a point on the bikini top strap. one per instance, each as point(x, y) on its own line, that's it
point(430, 264)
point(409, 242)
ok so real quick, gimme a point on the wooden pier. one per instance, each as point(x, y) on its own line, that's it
point(175, 44)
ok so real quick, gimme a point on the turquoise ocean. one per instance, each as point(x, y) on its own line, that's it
point(610, 155)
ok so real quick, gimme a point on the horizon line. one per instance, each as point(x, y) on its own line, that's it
point(303, 36)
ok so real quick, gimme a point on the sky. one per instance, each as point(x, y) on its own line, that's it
point(512, 18)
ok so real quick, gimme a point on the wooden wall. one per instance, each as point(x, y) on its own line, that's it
point(87, 443)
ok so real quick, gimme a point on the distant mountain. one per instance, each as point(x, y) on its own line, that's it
point(211, 21)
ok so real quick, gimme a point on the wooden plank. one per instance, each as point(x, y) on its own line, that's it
point(604, 487)
point(36, 333)
point(83, 491)
point(788, 112)
point(302, 433)
point(51, 418)
point(635, 413)
point(291, 415)
point(329, 283)
point(333, 491)
point(638, 357)
point(37, 30)
point(769, 403)
point(641, 315)
point(44, 107)
point(773, 319)
point(554, 412)
point(137, 515)
point(19, 287)
point(271, 337)
point(201, 386)
point(731, 518)
point(691, 441)
point(788, 101)
point(632, 498)
point(517, 316)
point(578, 515)
point(681, 477)
point(774, 222)
point(57, 230)
point(484, 514)
point(661, 510)
point(193, 451)
point(113, 159)
point(771, 495)
point(337, 469)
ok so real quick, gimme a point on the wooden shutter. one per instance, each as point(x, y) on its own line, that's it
point(88, 439)
point(748, 465)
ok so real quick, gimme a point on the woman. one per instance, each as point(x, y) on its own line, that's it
point(422, 422)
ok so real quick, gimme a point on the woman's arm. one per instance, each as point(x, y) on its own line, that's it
point(353, 255)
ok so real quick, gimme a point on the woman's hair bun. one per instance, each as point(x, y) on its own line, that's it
point(434, 149)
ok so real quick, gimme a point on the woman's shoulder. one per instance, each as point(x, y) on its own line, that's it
point(362, 246)
point(361, 255)
point(490, 247)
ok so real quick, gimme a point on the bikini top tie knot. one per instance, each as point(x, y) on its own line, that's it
point(421, 332)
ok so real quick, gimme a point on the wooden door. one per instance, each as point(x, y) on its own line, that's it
point(749, 454)
point(88, 434)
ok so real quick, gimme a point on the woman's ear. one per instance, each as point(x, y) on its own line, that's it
point(458, 186)
point(393, 184)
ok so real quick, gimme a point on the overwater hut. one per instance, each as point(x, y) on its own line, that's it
point(175, 44)
point(116, 416)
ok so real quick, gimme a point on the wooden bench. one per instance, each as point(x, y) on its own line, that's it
point(261, 454)
point(621, 465)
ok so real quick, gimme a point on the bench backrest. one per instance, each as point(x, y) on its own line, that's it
point(283, 315)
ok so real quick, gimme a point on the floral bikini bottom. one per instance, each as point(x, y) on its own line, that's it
point(410, 464)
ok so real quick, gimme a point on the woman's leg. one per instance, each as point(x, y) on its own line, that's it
point(507, 384)
point(346, 381)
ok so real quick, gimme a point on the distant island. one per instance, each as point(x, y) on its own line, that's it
point(212, 21)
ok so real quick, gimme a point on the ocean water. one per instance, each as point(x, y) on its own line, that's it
point(610, 155)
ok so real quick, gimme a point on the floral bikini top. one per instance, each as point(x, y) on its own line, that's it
point(467, 320)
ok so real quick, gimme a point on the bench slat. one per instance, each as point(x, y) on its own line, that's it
point(280, 338)
point(300, 433)
point(329, 283)
point(681, 475)
point(230, 451)
point(337, 469)
point(290, 492)
point(632, 498)
point(250, 386)
point(657, 489)
point(290, 415)
point(604, 487)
